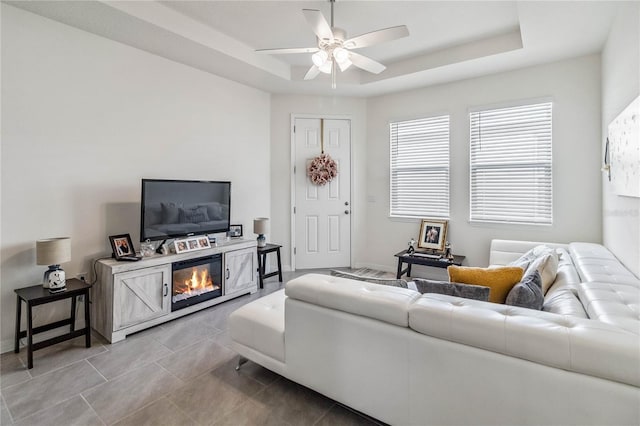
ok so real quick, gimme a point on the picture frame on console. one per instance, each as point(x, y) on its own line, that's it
point(121, 246)
point(191, 244)
point(235, 231)
point(433, 234)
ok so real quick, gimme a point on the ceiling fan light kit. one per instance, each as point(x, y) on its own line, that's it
point(319, 58)
point(327, 67)
point(333, 49)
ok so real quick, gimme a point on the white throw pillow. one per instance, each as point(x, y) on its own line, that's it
point(546, 262)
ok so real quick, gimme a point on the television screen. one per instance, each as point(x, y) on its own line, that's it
point(177, 208)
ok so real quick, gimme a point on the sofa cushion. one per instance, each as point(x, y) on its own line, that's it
point(383, 281)
point(572, 344)
point(381, 302)
point(595, 262)
point(614, 304)
point(260, 325)
point(467, 291)
point(502, 252)
point(527, 293)
point(567, 275)
point(564, 301)
point(500, 280)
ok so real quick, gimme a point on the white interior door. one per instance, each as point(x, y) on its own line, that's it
point(322, 214)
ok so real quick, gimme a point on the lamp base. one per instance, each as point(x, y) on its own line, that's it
point(262, 240)
point(54, 278)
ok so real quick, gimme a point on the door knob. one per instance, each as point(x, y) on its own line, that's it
point(346, 212)
point(346, 203)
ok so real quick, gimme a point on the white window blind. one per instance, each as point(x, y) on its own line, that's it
point(420, 167)
point(511, 164)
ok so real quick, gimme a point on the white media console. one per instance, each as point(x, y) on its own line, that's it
point(131, 296)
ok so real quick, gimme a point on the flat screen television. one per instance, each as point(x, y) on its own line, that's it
point(178, 208)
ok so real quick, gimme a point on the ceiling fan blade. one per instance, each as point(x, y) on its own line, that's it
point(288, 50)
point(365, 63)
point(312, 73)
point(377, 37)
point(318, 23)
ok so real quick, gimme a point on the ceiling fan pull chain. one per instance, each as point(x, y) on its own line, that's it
point(322, 136)
point(333, 73)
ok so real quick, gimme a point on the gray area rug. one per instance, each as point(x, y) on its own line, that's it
point(373, 273)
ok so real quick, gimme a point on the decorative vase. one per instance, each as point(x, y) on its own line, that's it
point(262, 240)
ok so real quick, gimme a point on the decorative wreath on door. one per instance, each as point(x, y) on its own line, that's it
point(322, 169)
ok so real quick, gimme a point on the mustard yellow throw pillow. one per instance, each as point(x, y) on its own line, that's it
point(500, 280)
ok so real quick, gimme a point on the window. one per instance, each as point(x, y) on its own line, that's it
point(420, 167)
point(511, 164)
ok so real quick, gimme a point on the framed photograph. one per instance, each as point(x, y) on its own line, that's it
point(203, 242)
point(235, 231)
point(191, 244)
point(181, 246)
point(433, 234)
point(122, 246)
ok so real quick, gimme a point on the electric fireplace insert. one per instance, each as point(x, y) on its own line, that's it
point(196, 280)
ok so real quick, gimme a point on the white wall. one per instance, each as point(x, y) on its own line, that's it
point(282, 107)
point(574, 87)
point(620, 86)
point(109, 114)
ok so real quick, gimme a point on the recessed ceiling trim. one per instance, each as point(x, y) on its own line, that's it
point(494, 45)
point(170, 20)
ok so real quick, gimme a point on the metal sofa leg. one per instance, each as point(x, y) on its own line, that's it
point(241, 360)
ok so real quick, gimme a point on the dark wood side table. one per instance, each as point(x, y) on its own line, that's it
point(409, 259)
point(38, 295)
point(262, 260)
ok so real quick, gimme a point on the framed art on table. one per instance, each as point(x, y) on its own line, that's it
point(433, 234)
point(191, 244)
point(235, 231)
point(122, 245)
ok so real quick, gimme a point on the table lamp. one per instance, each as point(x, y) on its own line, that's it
point(261, 227)
point(53, 252)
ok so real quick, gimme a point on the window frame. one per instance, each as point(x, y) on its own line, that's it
point(541, 163)
point(395, 214)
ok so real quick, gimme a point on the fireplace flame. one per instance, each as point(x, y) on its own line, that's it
point(197, 283)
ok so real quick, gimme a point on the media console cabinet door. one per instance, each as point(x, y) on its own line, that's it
point(240, 270)
point(141, 295)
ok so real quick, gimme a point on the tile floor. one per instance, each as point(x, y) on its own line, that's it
point(172, 374)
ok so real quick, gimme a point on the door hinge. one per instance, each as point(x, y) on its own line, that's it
point(294, 170)
point(294, 250)
point(294, 129)
point(294, 210)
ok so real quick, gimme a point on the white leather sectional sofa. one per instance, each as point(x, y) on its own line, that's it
point(407, 358)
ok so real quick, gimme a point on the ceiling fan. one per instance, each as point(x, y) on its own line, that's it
point(335, 49)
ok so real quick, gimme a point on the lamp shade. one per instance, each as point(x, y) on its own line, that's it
point(53, 251)
point(261, 225)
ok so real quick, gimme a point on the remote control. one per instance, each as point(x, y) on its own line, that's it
point(130, 258)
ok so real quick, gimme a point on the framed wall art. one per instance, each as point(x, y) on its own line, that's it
point(623, 146)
